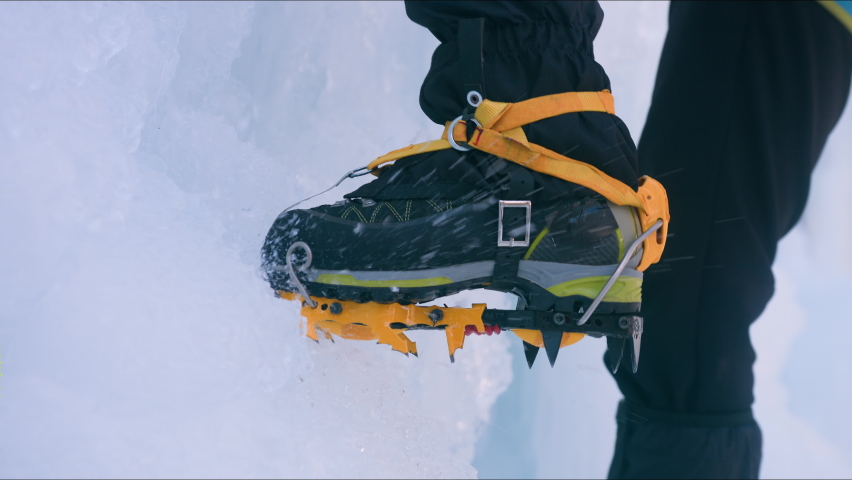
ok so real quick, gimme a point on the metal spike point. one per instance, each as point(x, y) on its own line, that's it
point(636, 328)
point(530, 351)
point(620, 356)
point(552, 342)
point(452, 358)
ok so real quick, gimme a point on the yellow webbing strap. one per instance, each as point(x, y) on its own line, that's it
point(535, 157)
point(502, 117)
point(501, 136)
point(430, 146)
point(517, 114)
point(650, 200)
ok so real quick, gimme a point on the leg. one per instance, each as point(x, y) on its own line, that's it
point(745, 98)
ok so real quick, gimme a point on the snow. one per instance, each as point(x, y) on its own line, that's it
point(146, 147)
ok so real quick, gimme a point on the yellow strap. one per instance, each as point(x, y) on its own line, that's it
point(651, 200)
point(532, 156)
point(505, 117)
point(499, 118)
point(537, 158)
point(430, 146)
point(501, 135)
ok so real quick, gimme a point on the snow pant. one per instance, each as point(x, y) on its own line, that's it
point(745, 97)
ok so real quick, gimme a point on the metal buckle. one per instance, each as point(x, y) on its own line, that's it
point(463, 147)
point(512, 242)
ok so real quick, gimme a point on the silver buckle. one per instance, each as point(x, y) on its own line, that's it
point(452, 127)
point(512, 242)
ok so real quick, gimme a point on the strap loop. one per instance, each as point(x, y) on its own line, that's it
point(461, 146)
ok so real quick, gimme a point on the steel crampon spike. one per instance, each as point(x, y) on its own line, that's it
point(552, 342)
point(530, 352)
point(636, 327)
point(614, 368)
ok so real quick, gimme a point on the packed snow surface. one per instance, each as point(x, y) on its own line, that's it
point(145, 148)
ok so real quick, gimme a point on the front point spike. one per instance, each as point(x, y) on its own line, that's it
point(636, 328)
point(530, 352)
point(552, 342)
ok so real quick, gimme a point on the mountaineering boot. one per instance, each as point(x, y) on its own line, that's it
point(477, 221)
point(496, 203)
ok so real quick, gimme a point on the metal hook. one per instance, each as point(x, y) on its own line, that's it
point(618, 270)
point(304, 246)
point(358, 172)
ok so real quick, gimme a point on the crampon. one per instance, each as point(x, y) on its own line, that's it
point(536, 322)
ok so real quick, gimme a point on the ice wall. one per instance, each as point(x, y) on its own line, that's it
point(145, 148)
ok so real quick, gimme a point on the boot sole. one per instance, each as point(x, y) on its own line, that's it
point(571, 285)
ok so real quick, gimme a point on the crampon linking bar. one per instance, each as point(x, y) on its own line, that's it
point(387, 324)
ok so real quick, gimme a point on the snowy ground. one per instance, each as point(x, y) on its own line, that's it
point(144, 150)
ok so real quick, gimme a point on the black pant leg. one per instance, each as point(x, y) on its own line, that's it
point(745, 97)
point(530, 49)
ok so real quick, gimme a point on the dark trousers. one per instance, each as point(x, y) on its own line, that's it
point(745, 97)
